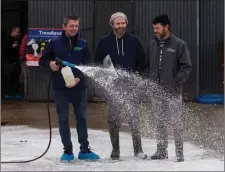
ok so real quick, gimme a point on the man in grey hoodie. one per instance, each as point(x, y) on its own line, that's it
point(169, 65)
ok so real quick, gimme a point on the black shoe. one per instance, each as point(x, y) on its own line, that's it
point(85, 151)
point(160, 154)
point(69, 152)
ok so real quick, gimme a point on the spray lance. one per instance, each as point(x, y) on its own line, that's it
point(68, 74)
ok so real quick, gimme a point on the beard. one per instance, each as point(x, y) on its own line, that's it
point(162, 34)
point(119, 30)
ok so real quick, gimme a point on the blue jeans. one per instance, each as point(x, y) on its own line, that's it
point(78, 98)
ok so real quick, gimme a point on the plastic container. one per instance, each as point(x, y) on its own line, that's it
point(68, 76)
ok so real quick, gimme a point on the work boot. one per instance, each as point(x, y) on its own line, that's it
point(114, 136)
point(161, 153)
point(138, 152)
point(178, 146)
point(179, 151)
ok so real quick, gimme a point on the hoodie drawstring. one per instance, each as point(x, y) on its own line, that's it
point(118, 50)
point(122, 48)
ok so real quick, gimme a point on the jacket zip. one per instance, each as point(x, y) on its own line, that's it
point(158, 59)
point(70, 48)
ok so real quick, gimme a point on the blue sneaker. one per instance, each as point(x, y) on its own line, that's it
point(67, 157)
point(88, 156)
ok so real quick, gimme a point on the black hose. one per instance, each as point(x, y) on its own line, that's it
point(50, 132)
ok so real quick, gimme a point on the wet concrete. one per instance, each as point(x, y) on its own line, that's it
point(204, 124)
point(36, 114)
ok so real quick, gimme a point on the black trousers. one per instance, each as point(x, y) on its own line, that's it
point(11, 72)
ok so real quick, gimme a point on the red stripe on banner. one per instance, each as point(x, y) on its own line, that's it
point(45, 28)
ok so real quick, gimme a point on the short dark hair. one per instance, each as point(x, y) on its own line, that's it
point(162, 19)
point(72, 17)
point(13, 28)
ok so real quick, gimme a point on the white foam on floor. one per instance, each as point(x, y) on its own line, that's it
point(24, 143)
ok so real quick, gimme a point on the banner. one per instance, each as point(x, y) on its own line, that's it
point(38, 39)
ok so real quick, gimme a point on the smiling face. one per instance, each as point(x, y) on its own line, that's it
point(119, 25)
point(160, 30)
point(71, 27)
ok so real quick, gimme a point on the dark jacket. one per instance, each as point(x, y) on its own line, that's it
point(126, 52)
point(10, 54)
point(175, 66)
point(75, 52)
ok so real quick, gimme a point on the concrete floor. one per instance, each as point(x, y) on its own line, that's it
point(204, 124)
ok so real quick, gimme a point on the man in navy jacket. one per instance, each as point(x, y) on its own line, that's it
point(70, 47)
point(126, 52)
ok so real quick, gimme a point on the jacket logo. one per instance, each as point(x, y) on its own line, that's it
point(77, 48)
point(170, 50)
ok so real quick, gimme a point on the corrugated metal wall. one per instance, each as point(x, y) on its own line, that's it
point(49, 14)
point(211, 33)
point(183, 16)
point(38, 81)
point(186, 22)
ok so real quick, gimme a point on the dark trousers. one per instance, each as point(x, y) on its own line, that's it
point(169, 115)
point(121, 105)
point(78, 98)
point(12, 73)
point(131, 115)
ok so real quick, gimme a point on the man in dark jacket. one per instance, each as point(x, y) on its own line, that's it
point(11, 62)
point(125, 51)
point(71, 48)
point(169, 65)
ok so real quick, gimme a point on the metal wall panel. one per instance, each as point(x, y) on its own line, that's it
point(183, 16)
point(198, 22)
point(49, 14)
point(37, 83)
point(211, 33)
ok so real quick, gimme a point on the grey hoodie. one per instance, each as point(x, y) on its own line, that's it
point(175, 62)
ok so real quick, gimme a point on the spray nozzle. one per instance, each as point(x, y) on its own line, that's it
point(64, 63)
point(59, 62)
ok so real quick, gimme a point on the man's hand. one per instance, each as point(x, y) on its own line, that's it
point(53, 66)
point(77, 80)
